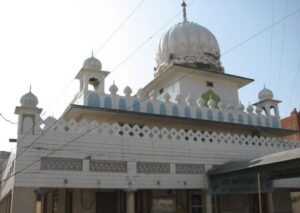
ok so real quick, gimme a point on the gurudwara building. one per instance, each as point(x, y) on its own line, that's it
point(161, 150)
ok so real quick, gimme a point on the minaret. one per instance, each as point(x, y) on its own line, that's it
point(29, 114)
point(91, 77)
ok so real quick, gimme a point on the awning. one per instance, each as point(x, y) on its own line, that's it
point(279, 165)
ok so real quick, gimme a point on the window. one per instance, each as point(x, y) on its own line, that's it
point(196, 203)
point(209, 84)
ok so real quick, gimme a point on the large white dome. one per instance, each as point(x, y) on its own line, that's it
point(188, 42)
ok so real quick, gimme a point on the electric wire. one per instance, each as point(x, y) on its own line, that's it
point(260, 32)
point(7, 120)
point(231, 49)
point(281, 49)
point(115, 69)
point(293, 86)
point(271, 45)
point(119, 27)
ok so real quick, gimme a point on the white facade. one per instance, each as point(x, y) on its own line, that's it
point(157, 143)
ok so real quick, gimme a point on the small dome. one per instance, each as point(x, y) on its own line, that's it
point(113, 89)
point(241, 107)
point(188, 42)
point(211, 103)
point(92, 63)
point(29, 100)
point(250, 109)
point(265, 94)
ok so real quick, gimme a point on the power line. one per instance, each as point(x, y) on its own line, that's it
point(293, 86)
point(119, 27)
point(260, 32)
point(281, 50)
point(120, 64)
point(182, 77)
point(7, 120)
point(271, 45)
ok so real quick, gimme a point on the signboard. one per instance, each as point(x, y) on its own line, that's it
point(163, 205)
point(239, 184)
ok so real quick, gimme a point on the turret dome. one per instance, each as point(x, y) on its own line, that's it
point(29, 100)
point(265, 94)
point(92, 63)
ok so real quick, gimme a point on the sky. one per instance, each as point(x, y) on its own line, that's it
point(44, 43)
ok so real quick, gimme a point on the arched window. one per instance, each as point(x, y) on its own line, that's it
point(136, 106)
point(93, 100)
point(149, 107)
point(199, 114)
point(240, 119)
point(162, 109)
point(107, 102)
point(175, 110)
point(230, 117)
point(220, 116)
point(250, 120)
point(122, 104)
point(187, 112)
point(210, 115)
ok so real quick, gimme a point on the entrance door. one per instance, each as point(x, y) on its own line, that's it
point(106, 202)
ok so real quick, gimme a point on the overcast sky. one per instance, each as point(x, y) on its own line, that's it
point(44, 43)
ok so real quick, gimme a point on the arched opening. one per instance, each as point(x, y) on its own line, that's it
point(263, 111)
point(136, 106)
point(94, 100)
point(273, 111)
point(93, 84)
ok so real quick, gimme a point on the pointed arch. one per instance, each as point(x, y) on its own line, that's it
point(93, 100)
point(136, 106)
point(210, 115)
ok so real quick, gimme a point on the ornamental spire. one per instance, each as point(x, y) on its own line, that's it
point(184, 11)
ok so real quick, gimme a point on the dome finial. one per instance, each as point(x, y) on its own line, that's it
point(184, 11)
point(92, 53)
point(30, 88)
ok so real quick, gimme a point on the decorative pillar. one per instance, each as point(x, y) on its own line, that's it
point(129, 201)
point(270, 202)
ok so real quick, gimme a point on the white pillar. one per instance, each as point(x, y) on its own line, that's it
point(208, 203)
point(129, 201)
point(270, 202)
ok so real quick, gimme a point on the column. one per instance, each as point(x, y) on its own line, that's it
point(270, 202)
point(129, 201)
point(208, 203)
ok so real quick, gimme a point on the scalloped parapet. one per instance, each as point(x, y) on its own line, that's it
point(164, 134)
point(230, 114)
